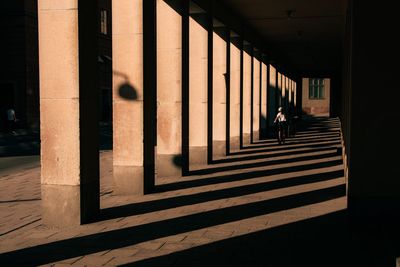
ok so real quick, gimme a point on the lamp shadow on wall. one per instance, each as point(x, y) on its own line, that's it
point(126, 90)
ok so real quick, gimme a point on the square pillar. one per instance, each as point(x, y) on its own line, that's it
point(287, 93)
point(234, 93)
point(198, 86)
point(68, 112)
point(256, 98)
point(283, 92)
point(295, 96)
point(246, 94)
point(278, 90)
point(169, 90)
point(220, 80)
point(263, 116)
point(272, 92)
point(128, 127)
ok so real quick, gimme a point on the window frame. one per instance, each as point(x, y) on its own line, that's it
point(316, 89)
point(104, 21)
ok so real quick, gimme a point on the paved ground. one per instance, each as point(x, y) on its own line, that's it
point(266, 205)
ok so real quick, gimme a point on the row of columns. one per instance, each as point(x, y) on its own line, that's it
point(214, 93)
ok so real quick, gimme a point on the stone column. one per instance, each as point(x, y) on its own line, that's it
point(272, 103)
point(198, 71)
point(220, 80)
point(246, 98)
point(68, 112)
point(263, 117)
point(279, 89)
point(283, 89)
point(291, 92)
point(234, 80)
point(169, 90)
point(128, 149)
point(295, 96)
point(287, 93)
point(256, 98)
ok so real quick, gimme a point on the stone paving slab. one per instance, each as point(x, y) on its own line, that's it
point(193, 212)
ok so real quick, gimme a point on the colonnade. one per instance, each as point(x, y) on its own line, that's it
point(187, 90)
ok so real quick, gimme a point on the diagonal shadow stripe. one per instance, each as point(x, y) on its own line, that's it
point(244, 176)
point(278, 148)
point(261, 164)
point(74, 247)
point(318, 131)
point(291, 142)
point(299, 138)
point(270, 155)
point(179, 201)
point(316, 135)
point(303, 138)
point(322, 235)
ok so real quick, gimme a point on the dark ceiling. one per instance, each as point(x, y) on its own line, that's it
point(308, 35)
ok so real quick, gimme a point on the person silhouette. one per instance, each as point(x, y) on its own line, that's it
point(11, 120)
point(280, 121)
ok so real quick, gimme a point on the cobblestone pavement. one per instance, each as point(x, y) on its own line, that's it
point(266, 205)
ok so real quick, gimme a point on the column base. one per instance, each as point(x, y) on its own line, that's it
point(197, 155)
point(169, 165)
point(234, 144)
point(256, 136)
point(69, 205)
point(128, 180)
point(219, 149)
point(246, 139)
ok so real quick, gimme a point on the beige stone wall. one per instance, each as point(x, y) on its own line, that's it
point(279, 90)
point(219, 88)
point(284, 86)
point(256, 99)
point(264, 96)
point(272, 108)
point(69, 154)
point(313, 106)
point(169, 90)
point(169, 85)
point(246, 97)
point(197, 84)
point(127, 42)
point(219, 95)
point(198, 71)
point(234, 96)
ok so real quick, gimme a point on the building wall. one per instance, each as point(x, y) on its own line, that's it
point(315, 106)
point(32, 65)
point(369, 91)
point(13, 76)
point(105, 65)
point(19, 80)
